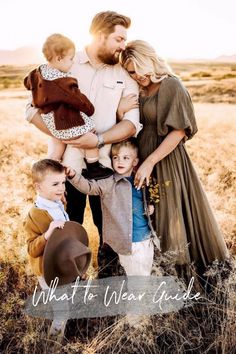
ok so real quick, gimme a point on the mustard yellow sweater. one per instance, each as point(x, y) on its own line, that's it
point(36, 224)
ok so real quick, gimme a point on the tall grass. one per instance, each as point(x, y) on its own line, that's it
point(207, 327)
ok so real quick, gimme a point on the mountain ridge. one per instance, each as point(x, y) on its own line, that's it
point(21, 56)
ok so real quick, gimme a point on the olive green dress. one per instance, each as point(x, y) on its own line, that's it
point(183, 217)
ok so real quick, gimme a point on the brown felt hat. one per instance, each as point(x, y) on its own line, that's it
point(66, 254)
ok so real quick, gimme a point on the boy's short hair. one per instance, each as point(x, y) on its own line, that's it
point(43, 167)
point(130, 143)
point(106, 21)
point(57, 45)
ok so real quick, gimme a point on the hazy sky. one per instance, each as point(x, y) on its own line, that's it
point(176, 28)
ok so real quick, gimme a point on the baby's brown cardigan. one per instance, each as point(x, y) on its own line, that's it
point(62, 96)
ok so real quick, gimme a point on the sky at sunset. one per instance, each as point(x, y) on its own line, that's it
point(176, 28)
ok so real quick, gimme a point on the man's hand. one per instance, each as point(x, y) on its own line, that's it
point(53, 225)
point(39, 123)
point(86, 141)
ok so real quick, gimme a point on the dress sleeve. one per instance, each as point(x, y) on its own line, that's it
point(175, 109)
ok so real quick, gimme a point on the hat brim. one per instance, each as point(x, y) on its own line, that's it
point(66, 254)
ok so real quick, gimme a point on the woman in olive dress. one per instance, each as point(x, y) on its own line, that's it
point(183, 217)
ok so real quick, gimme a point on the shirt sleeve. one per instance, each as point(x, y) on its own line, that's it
point(133, 115)
point(90, 187)
point(30, 110)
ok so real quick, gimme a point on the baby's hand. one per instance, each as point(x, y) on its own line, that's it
point(53, 225)
point(151, 209)
point(70, 172)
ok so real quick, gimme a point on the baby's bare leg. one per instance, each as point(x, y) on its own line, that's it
point(91, 155)
point(56, 149)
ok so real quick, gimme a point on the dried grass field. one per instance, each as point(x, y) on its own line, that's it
point(206, 328)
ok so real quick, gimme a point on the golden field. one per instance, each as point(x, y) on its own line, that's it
point(213, 151)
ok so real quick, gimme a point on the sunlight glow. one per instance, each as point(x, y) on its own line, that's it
point(177, 29)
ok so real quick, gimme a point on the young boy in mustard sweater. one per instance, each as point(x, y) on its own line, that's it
point(45, 215)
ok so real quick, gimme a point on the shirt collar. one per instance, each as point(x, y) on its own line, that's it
point(43, 202)
point(118, 177)
point(83, 57)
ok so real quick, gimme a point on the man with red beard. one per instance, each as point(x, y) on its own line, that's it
point(104, 82)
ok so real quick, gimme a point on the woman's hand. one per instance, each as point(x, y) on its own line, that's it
point(143, 174)
point(165, 148)
point(126, 104)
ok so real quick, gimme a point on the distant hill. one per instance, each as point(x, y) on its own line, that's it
point(220, 59)
point(21, 56)
point(226, 58)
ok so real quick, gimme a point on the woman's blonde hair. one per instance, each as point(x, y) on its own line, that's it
point(57, 45)
point(145, 60)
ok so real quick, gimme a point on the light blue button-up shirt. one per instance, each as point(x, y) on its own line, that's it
point(55, 209)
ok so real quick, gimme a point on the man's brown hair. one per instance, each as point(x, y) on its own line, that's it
point(106, 21)
point(43, 167)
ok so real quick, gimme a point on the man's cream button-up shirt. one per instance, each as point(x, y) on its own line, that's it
point(105, 86)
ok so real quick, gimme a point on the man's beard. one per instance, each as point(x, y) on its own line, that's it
point(108, 58)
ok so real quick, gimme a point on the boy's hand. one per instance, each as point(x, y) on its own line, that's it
point(151, 209)
point(70, 172)
point(53, 225)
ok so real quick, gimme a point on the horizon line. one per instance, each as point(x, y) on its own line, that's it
point(166, 58)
